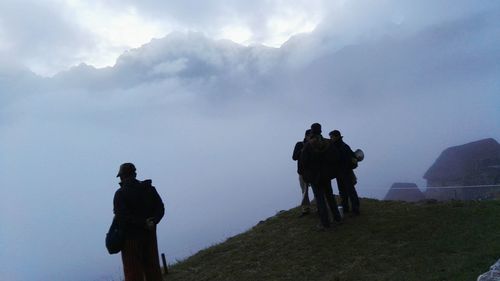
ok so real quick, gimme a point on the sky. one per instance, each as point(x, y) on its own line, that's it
point(208, 99)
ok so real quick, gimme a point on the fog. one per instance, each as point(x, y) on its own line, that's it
point(214, 124)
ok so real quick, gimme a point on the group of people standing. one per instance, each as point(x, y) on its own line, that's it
point(319, 161)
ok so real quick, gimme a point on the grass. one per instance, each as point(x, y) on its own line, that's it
point(389, 241)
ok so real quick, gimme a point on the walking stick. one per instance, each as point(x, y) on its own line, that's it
point(164, 263)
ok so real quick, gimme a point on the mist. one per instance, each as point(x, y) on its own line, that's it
point(214, 124)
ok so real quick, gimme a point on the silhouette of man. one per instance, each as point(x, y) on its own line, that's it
point(304, 186)
point(138, 209)
point(320, 163)
point(345, 177)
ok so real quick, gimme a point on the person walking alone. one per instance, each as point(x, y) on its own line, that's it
point(138, 208)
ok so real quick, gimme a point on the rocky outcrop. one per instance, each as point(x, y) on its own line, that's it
point(492, 275)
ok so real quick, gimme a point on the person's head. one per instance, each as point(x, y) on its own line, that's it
point(307, 135)
point(315, 129)
point(127, 170)
point(335, 135)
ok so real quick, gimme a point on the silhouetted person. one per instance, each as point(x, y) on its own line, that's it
point(138, 209)
point(345, 176)
point(304, 186)
point(320, 161)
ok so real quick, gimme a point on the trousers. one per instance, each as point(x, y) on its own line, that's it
point(305, 203)
point(347, 191)
point(140, 258)
point(325, 199)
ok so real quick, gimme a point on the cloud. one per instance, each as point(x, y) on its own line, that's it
point(192, 61)
point(97, 32)
point(41, 35)
point(264, 19)
point(213, 123)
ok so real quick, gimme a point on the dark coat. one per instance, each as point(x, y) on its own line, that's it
point(346, 155)
point(134, 202)
point(296, 156)
point(320, 160)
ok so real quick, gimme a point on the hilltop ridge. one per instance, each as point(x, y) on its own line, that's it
point(389, 241)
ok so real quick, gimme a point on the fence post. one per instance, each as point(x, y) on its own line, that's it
point(164, 263)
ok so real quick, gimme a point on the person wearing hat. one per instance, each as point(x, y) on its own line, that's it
point(320, 160)
point(138, 208)
point(304, 186)
point(345, 177)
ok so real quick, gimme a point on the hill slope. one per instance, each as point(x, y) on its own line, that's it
point(389, 241)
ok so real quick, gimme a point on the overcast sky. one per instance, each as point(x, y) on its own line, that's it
point(208, 98)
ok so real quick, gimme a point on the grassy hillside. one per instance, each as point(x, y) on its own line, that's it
point(389, 241)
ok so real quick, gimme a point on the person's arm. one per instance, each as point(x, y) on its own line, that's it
point(297, 151)
point(353, 161)
point(159, 207)
point(305, 156)
point(119, 209)
point(119, 206)
point(350, 152)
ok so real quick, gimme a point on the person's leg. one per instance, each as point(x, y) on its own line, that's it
point(330, 198)
point(319, 194)
point(353, 195)
point(306, 203)
point(354, 178)
point(132, 260)
point(355, 200)
point(152, 269)
point(344, 198)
